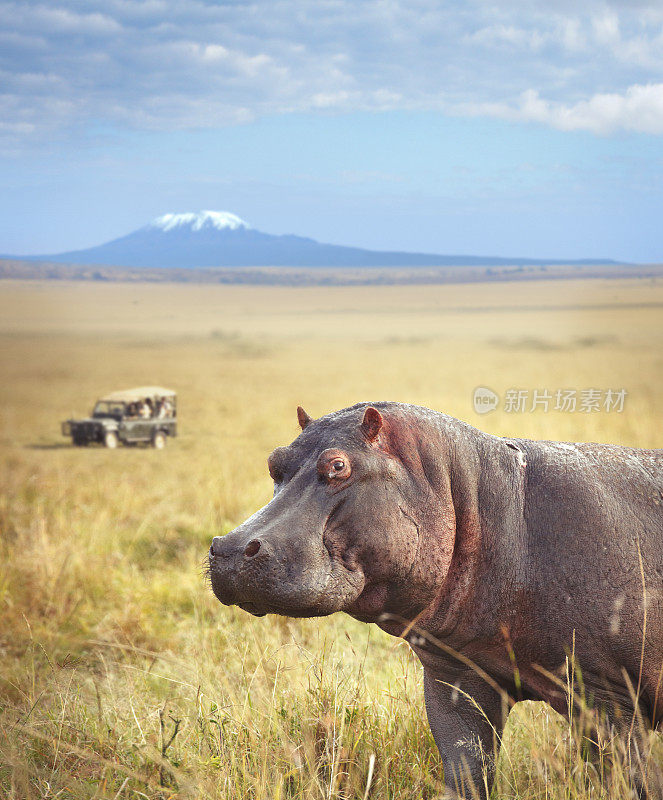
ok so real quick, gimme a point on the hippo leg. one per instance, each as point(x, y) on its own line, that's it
point(466, 737)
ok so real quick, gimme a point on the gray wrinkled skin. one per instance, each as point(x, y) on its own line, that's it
point(499, 550)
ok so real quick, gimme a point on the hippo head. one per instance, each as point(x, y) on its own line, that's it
point(351, 526)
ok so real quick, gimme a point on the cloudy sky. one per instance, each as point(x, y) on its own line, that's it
point(517, 128)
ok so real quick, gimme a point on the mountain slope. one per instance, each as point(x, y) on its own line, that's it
point(221, 239)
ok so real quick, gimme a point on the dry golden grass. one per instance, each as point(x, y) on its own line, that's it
point(110, 642)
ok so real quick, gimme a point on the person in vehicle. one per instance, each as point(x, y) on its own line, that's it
point(165, 408)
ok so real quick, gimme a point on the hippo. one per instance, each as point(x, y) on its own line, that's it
point(496, 558)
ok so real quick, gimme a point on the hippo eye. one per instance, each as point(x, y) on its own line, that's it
point(333, 464)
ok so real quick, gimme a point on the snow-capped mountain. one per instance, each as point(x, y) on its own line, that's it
point(222, 239)
point(221, 220)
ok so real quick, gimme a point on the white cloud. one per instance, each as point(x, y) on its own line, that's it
point(509, 35)
point(571, 35)
point(639, 109)
point(606, 27)
point(58, 19)
point(196, 63)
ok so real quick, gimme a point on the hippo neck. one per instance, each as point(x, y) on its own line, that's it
point(489, 564)
point(474, 540)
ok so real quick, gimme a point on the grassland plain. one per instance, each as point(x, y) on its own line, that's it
point(120, 675)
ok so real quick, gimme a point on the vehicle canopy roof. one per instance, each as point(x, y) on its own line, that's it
point(137, 394)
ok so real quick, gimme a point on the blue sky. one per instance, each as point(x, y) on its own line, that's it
point(505, 128)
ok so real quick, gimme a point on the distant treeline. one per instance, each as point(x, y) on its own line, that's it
point(321, 276)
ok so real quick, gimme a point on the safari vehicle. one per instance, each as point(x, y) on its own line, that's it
point(146, 414)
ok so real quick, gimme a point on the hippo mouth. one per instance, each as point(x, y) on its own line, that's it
point(252, 608)
point(282, 588)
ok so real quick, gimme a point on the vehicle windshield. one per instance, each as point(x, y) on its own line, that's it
point(106, 409)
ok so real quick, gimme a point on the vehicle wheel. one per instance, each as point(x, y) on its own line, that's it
point(110, 440)
point(159, 440)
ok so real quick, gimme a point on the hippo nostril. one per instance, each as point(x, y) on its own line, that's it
point(252, 548)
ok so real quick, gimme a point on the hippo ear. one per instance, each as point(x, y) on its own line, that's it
point(303, 418)
point(371, 423)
